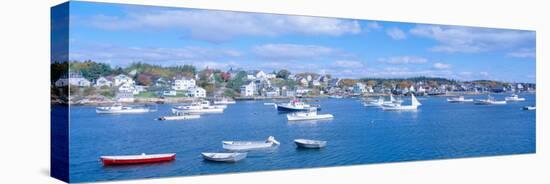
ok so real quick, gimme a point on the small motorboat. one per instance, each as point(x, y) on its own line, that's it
point(250, 145)
point(489, 101)
point(137, 159)
point(121, 109)
point(514, 98)
point(307, 143)
point(529, 108)
point(179, 117)
point(224, 101)
point(398, 107)
point(311, 114)
point(336, 96)
point(459, 99)
point(224, 157)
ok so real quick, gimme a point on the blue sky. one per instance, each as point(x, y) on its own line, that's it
point(121, 34)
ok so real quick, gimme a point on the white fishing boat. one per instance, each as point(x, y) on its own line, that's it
point(294, 105)
point(514, 98)
point(249, 145)
point(307, 143)
point(180, 117)
point(224, 101)
point(398, 107)
point(198, 107)
point(459, 99)
point(308, 115)
point(224, 157)
point(489, 101)
point(206, 104)
point(529, 108)
point(121, 109)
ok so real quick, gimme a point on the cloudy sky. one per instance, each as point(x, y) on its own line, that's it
point(122, 34)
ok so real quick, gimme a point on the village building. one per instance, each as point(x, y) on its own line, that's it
point(248, 89)
point(102, 81)
point(62, 82)
point(183, 84)
point(123, 79)
point(76, 79)
point(197, 92)
point(360, 88)
point(161, 82)
point(126, 97)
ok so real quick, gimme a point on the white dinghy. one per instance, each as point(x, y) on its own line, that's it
point(224, 157)
point(398, 107)
point(307, 143)
point(250, 145)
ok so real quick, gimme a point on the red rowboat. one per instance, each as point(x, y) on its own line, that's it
point(137, 159)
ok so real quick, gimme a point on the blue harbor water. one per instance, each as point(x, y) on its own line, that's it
point(356, 135)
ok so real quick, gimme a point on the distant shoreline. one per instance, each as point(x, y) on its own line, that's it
point(177, 100)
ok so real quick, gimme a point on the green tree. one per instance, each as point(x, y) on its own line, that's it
point(283, 74)
point(237, 81)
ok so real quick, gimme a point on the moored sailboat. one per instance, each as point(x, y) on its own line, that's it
point(398, 107)
point(374, 103)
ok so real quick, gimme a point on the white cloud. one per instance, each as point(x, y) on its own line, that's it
point(374, 25)
point(441, 66)
point(407, 72)
point(396, 33)
point(523, 53)
point(348, 64)
point(404, 60)
point(454, 39)
point(484, 74)
point(292, 51)
point(120, 56)
point(219, 26)
point(465, 74)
